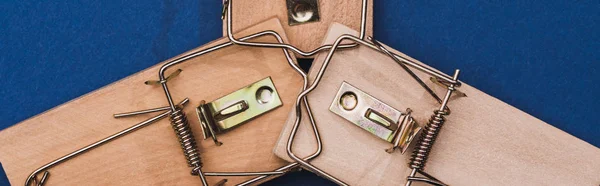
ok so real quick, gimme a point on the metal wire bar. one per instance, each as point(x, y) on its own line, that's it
point(33, 176)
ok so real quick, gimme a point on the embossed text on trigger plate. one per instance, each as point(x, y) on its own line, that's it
point(375, 117)
point(237, 108)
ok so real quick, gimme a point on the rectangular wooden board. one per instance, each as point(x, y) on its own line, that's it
point(152, 155)
point(304, 36)
point(483, 142)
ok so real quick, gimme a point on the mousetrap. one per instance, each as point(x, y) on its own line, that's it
point(304, 21)
point(359, 103)
point(247, 93)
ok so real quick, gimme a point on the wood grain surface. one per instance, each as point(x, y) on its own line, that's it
point(152, 155)
point(483, 142)
point(304, 36)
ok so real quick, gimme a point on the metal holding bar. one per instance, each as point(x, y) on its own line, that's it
point(245, 173)
point(410, 72)
point(33, 176)
point(127, 114)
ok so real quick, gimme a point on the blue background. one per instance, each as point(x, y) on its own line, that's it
point(540, 56)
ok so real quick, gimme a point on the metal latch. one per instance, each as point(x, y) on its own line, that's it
point(237, 108)
point(375, 117)
point(302, 11)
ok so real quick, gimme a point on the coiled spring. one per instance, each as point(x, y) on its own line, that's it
point(427, 139)
point(186, 139)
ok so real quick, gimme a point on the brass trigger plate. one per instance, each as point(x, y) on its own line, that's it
point(366, 112)
point(244, 104)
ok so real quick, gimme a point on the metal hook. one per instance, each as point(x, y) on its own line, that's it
point(444, 84)
point(171, 76)
point(225, 3)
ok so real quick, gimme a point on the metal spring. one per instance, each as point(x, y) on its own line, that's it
point(186, 139)
point(427, 139)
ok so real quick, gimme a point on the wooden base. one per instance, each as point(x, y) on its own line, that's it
point(152, 155)
point(304, 36)
point(483, 142)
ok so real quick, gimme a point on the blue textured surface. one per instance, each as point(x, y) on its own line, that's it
point(3, 178)
point(540, 56)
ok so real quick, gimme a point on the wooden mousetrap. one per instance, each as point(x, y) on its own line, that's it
point(152, 155)
point(484, 141)
point(305, 21)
